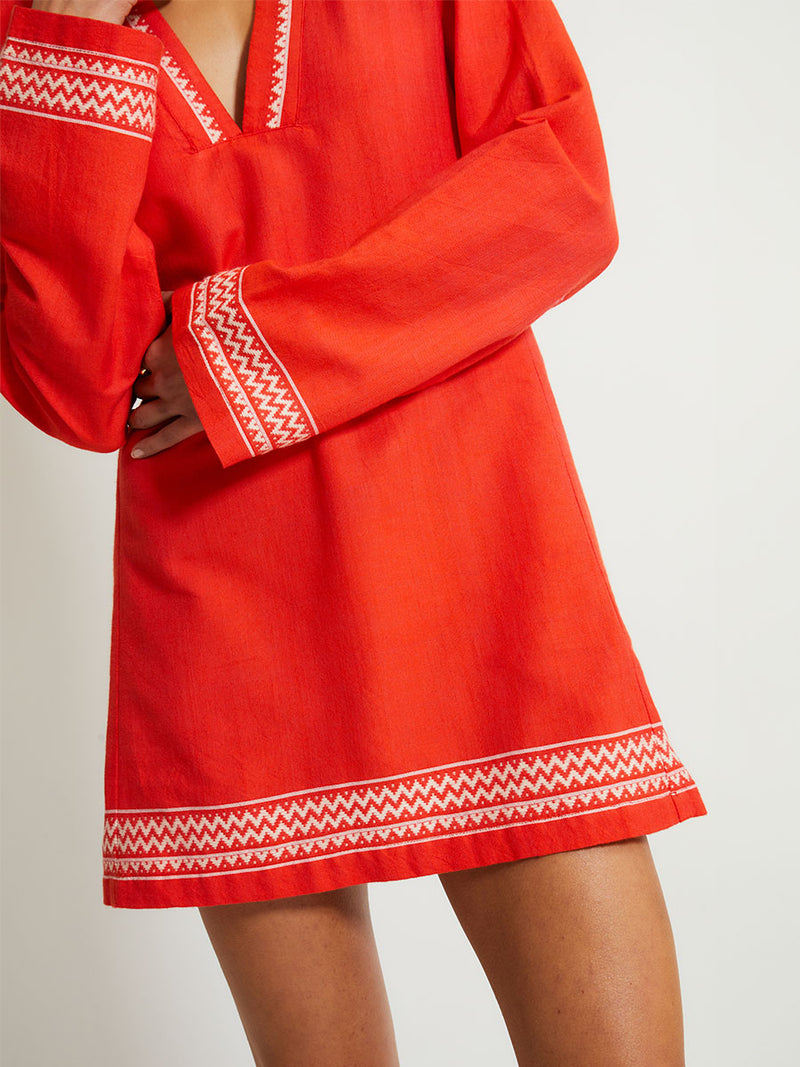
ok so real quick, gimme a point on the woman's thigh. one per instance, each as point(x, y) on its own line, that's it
point(578, 949)
point(306, 979)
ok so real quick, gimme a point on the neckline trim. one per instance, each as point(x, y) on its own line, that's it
point(266, 83)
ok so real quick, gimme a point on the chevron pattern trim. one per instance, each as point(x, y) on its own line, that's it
point(79, 85)
point(193, 97)
point(550, 782)
point(280, 63)
point(258, 390)
point(181, 81)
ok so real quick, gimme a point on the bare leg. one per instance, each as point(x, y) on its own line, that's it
point(578, 949)
point(306, 979)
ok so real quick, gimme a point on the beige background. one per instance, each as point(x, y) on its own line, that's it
point(676, 373)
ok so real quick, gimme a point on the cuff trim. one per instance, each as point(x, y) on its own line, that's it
point(79, 85)
point(258, 390)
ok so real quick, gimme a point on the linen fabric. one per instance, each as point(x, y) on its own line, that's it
point(362, 629)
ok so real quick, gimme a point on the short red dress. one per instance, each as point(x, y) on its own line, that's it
point(362, 629)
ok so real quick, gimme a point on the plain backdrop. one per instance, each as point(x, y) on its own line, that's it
point(676, 374)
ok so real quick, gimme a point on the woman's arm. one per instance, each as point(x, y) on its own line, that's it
point(521, 221)
point(81, 299)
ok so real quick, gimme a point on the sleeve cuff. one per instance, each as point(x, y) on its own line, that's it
point(80, 70)
point(243, 394)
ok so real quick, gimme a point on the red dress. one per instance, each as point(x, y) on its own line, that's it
point(362, 629)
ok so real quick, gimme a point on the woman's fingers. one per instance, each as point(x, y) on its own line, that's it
point(148, 414)
point(164, 395)
point(184, 426)
point(144, 386)
point(105, 10)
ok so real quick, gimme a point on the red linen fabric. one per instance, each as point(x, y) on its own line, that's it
point(362, 628)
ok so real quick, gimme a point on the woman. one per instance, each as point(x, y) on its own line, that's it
point(284, 257)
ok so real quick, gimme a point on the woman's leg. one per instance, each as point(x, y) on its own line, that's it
point(306, 979)
point(578, 949)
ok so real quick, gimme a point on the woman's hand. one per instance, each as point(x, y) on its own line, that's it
point(104, 10)
point(164, 394)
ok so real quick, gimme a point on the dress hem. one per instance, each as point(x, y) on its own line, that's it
point(410, 860)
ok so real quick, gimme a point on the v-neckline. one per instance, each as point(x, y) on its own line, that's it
point(253, 103)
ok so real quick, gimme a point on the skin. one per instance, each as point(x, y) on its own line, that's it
point(576, 946)
point(164, 395)
point(578, 949)
point(306, 979)
point(105, 10)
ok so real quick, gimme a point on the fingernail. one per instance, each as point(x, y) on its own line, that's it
point(137, 453)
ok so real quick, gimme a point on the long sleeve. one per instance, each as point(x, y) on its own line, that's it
point(520, 221)
point(80, 294)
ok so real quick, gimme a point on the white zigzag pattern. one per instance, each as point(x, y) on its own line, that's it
point(105, 64)
point(182, 83)
point(280, 63)
point(266, 404)
point(257, 440)
point(81, 86)
point(330, 820)
point(192, 96)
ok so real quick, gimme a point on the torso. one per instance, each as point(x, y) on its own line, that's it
point(216, 33)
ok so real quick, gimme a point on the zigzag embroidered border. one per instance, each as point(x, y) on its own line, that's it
point(181, 81)
point(550, 782)
point(258, 390)
point(192, 95)
point(280, 63)
point(79, 85)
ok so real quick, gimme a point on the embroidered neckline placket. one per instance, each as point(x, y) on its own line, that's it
point(265, 84)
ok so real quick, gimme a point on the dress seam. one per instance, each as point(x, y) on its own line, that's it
point(599, 565)
point(117, 571)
